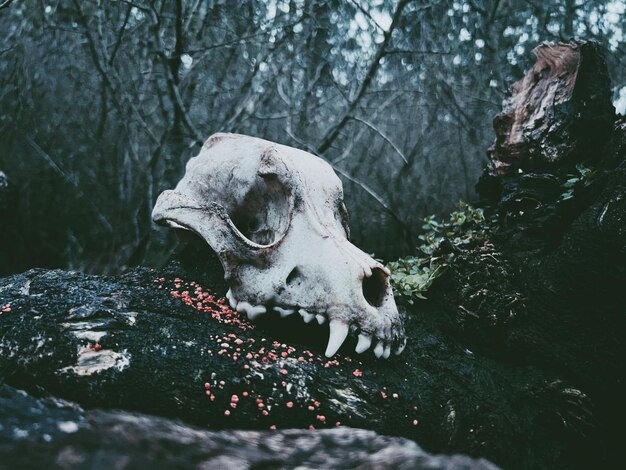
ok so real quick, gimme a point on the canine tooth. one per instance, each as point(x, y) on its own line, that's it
point(386, 352)
point(320, 319)
point(284, 312)
point(379, 349)
point(364, 343)
point(231, 299)
point(306, 316)
point(338, 333)
point(400, 348)
point(368, 271)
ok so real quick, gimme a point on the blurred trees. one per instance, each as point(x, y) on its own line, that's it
point(103, 102)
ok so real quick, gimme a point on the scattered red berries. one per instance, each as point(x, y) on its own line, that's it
point(266, 356)
point(205, 301)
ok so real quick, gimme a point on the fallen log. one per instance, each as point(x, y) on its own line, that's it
point(128, 342)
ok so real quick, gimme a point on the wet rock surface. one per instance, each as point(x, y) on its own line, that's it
point(137, 342)
point(54, 433)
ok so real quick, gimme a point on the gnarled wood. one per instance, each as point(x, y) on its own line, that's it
point(558, 112)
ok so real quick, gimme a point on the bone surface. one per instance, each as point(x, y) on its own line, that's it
point(276, 218)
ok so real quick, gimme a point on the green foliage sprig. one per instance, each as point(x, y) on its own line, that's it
point(412, 276)
point(584, 178)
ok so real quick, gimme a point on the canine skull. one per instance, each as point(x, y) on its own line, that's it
point(275, 217)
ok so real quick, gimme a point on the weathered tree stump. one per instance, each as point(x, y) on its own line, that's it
point(559, 113)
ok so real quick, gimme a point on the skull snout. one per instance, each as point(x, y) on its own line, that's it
point(353, 285)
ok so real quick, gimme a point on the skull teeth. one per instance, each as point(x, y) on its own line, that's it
point(231, 299)
point(339, 330)
point(338, 333)
point(252, 311)
point(379, 350)
point(306, 316)
point(364, 343)
point(400, 348)
point(284, 312)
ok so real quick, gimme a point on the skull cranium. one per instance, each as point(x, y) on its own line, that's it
point(275, 216)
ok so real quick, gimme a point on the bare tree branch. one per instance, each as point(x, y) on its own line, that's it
point(120, 36)
point(105, 72)
point(79, 192)
point(371, 192)
point(348, 149)
point(352, 179)
point(332, 133)
point(385, 138)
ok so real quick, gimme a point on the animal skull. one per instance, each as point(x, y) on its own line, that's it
point(275, 216)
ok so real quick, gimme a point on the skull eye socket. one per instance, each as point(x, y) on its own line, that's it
point(264, 213)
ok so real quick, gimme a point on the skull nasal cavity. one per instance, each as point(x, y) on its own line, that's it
point(293, 276)
point(375, 287)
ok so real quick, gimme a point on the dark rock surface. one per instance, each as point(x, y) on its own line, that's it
point(124, 342)
point(50, 433)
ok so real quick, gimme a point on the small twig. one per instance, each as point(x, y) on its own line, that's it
point(333, 132)
point(81, 194)
point(385, 138)
point(352, 179)
point(5, 4)
point(376, 112)
point(369, 191)
point(367, 13)
point(466, 311)
point(120, 36)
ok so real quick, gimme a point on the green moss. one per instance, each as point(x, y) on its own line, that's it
point(413, 275)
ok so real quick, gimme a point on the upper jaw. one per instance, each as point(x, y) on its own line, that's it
point(341, 323)
point(169, 202)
